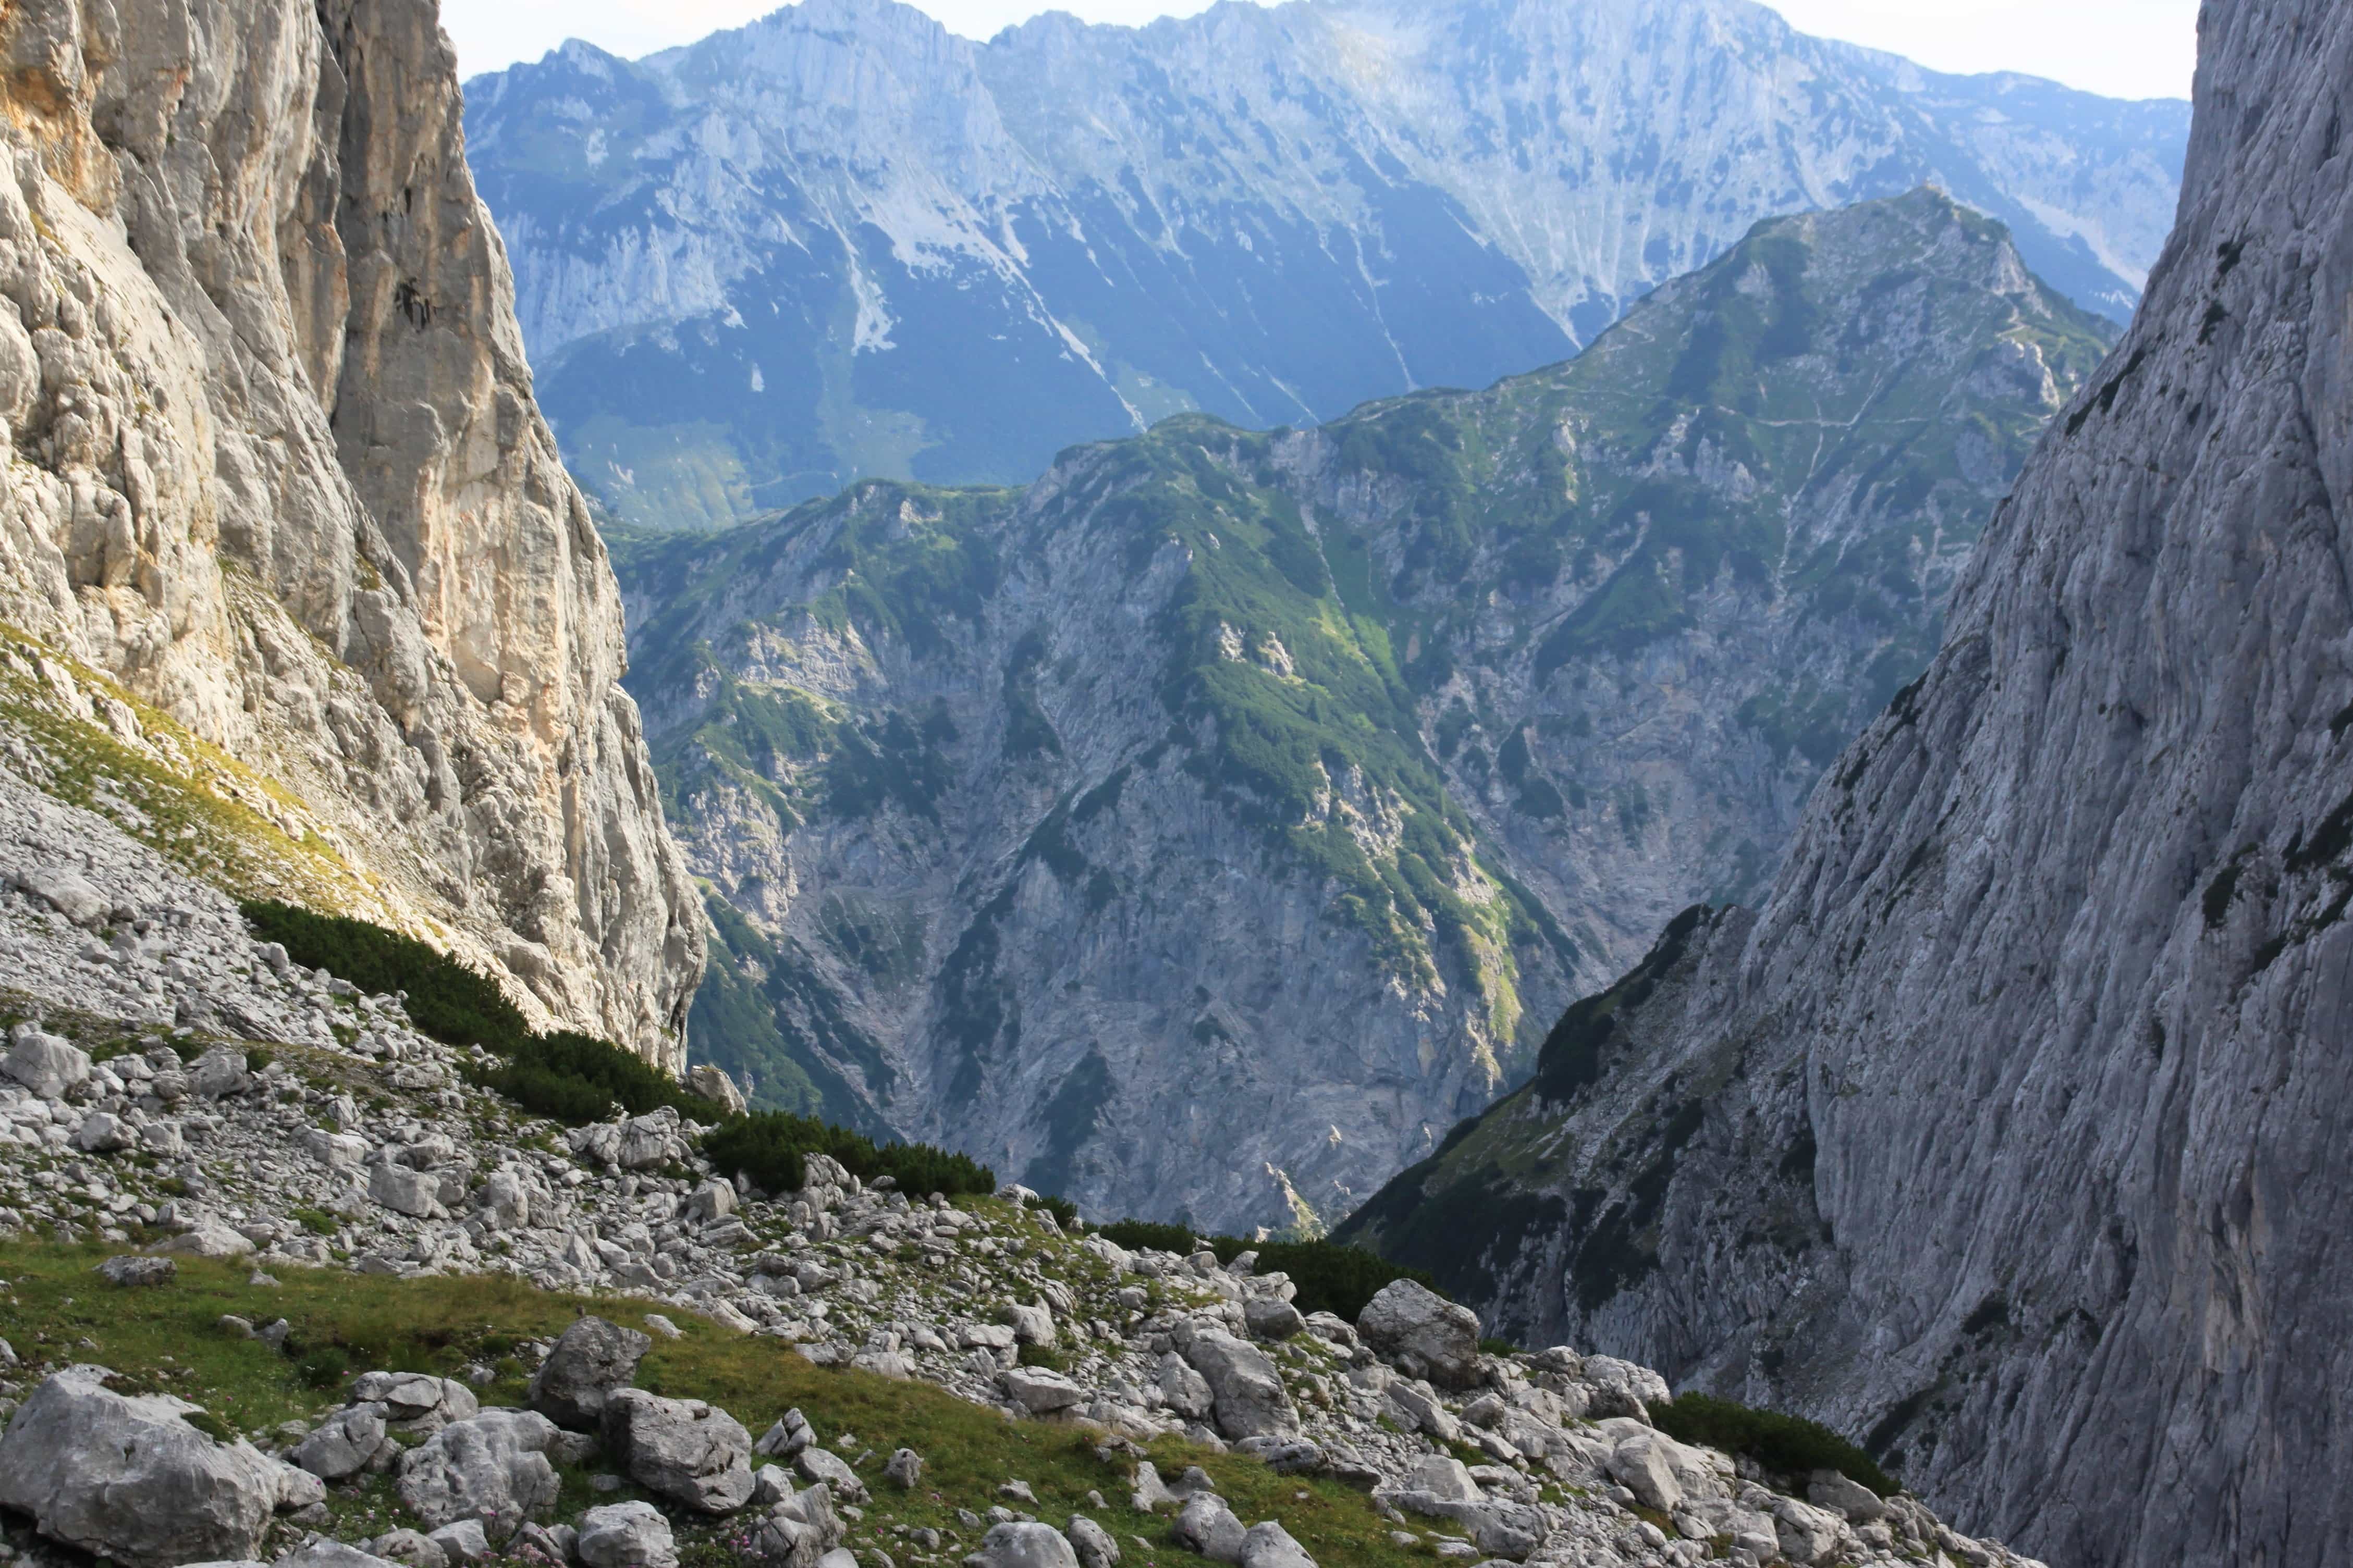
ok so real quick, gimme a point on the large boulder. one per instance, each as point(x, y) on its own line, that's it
point(713, 1084)
point(342, 1444)
point(69, 893)
point(1023, 1544)
point(1207, 1525)
point(1185, 1391)
point(416, 1193)
point(1271, 1319)
point(1096, 1547)
point(1246, 1393)
point(220, 1072)
point(125, 1476)
point(491, 1467)
point(1644, 1465)
point(44, 1063)
point(1038, 1391)
point(626, 1535)
point(208, 1239)
point(692, 1453)
point(831, 1471)
point(416, 1403)
point(1267, 1546)
point(592, 1360)
point(800, 1531)
point(1422, 1334)
point(635, 1143)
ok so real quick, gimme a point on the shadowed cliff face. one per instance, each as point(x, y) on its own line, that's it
point(1211, 825)
point(278, 471)
point(2011, 1132)
point(793, 255)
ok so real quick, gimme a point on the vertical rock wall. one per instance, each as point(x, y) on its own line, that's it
point(2011, 1136)
point(276, 468)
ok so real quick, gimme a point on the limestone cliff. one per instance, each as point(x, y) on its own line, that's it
point(276, 482)
point(2011, 1134)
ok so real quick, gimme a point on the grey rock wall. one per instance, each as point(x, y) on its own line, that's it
point(2010, 1135)
point(277, 469)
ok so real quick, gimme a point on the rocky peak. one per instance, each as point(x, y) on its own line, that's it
point(279, 474)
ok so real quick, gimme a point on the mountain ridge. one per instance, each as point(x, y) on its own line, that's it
point(1341, 757)
point(755, 268)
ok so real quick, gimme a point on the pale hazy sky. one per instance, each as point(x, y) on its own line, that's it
point(2130, 48)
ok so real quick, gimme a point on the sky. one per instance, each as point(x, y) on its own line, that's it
point(2127, 48)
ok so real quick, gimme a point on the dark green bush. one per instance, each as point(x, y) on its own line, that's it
point(1065, 1212)
point(576, 1078)
point(1330, 1277)
point(1136, 1234)
point(571, 1078)
point(770, 1146)
point(447, 1000)
point(1789, 1444)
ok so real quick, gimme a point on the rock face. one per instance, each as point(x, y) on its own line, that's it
point(276, 470)
point(756, 268)
point(2009, 1136)
point(1208, 827)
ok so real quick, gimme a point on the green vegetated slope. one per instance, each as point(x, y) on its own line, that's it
point(1215, 821)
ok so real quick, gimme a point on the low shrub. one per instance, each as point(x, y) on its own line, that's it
point(1139, 1234)
point(1065, 1212)
point(455, 1004)
point(569, 1076)
point(1332, 1278)
point(576, 1078)
point(1789, 1444)
point(770, 1146)
point(1329, 1277)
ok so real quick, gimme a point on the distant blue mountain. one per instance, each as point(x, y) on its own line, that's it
point(842, 242)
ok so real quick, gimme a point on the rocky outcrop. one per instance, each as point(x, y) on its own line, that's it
point(756, 268)
point(1210, 826)
point(2008, 1135)
point(276, 470)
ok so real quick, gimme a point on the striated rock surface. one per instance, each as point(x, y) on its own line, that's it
point(2009, 1135)
point(756, 268)
point(1208, 827)
point(278, 490)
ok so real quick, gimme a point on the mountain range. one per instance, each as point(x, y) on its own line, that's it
point(842, 243)
point(1204, 827)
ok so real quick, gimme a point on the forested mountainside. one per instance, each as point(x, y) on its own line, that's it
point(2010, 1134)
point(292, 583)
point(840, 243)
point(1206, 828)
